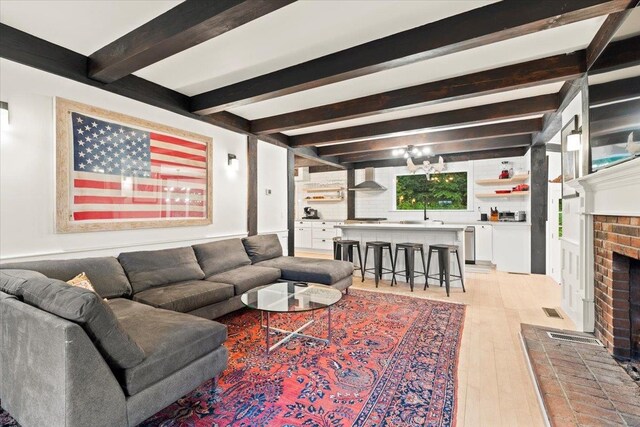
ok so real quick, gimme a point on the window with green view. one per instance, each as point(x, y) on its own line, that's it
point(444, 191)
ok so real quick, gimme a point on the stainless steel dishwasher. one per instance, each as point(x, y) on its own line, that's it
point(470, 245)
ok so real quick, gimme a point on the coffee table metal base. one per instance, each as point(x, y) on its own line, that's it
point(296, 333)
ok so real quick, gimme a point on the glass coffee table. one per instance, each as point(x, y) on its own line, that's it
point(291, 297)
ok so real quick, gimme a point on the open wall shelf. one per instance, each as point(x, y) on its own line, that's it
point(322, 189)
point(498, 196)
point(514, 179)
point(325, 200)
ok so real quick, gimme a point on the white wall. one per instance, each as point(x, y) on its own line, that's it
point(272, 175)
point(382, 204)
point(28, 174)
point(326, 210)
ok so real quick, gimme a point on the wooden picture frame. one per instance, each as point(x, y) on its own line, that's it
point(129, 190)
point(570, 160)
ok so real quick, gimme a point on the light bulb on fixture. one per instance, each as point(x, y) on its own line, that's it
point(426, 151)
point(406, 155)
point(415, 151)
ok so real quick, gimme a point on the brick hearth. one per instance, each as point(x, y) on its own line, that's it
point(615, 238)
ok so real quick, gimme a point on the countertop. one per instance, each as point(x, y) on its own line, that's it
point(494, 223)
point(321, 219)
point(411, 227)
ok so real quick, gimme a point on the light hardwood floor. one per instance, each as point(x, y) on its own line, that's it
point(494, 386)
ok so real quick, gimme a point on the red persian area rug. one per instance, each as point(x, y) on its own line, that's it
point(392, 361)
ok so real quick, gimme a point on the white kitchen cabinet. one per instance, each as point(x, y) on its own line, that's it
point(303, 237)
point(484, 242)
point(323, 244)
point(317, 235)
point(512, 248)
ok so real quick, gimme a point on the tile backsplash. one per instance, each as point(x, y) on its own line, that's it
point(382, 204)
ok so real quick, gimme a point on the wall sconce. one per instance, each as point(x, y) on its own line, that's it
point(574, 139)
point(232, 160)
point(4, 113)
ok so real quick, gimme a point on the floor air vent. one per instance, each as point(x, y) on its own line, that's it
point(551, 312)
point(574, 338)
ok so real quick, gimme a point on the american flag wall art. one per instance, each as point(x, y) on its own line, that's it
point(123, 174)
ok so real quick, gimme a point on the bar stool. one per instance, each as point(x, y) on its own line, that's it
point(343, 250)
point(377, 269)
point(410, 272)
point(444, 273)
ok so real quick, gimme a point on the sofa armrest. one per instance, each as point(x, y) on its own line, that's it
point(52, 374)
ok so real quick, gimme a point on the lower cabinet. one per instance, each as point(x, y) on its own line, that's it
point(325, 244)
point(512, 248)
point(317, 235)
point(302, 237)
point(484, 243)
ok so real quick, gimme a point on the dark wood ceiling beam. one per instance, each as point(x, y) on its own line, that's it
point(473, 115)
point(614, 91)
point(606, 32)
point(619, 54)
point(526, 74)
point(23, 48)
point(186, 25)
point(311, 154)
point(520, 127)
point(445, 148)
point(477, 27)
point(448, 158)
point(552, 122)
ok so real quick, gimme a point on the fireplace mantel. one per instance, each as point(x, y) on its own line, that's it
point(612, 191)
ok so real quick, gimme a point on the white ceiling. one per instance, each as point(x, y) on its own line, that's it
point(83, 26)
point(563, 39)
point(437, 108)
point(297, 33)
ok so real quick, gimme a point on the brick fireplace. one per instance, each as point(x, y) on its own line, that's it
point(617, 284)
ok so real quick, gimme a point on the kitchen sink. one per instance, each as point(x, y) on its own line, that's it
point(429, 221)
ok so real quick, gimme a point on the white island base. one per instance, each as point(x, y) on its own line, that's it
point(427, 234)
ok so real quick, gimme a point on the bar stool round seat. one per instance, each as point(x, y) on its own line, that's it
point(343, 250)
point(444, 266)
point(378, 270)
point(410, 272)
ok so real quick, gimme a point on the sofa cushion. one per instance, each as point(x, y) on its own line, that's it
point(11, 280)
point(221, 256)
point(247, 277)
point(185, 296)
point(262, 247)
point(80, 306)
point(106, 273)
point(170, 340)
point(146, 269)
point(325, 271)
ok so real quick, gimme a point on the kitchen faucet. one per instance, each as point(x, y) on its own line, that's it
point(426, 218)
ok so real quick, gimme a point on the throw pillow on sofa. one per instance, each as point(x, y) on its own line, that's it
point(82, 281)
point(262, 247)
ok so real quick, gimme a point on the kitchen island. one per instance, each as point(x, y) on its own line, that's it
point(393, 232)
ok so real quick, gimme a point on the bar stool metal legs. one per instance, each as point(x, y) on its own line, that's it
point(410, 272)
point(343, 250)
point(377, 269)
point(444, 266)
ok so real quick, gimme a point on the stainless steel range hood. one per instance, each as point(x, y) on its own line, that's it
point(369, 183)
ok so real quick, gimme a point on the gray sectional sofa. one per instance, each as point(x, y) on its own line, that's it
point(72, 357)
